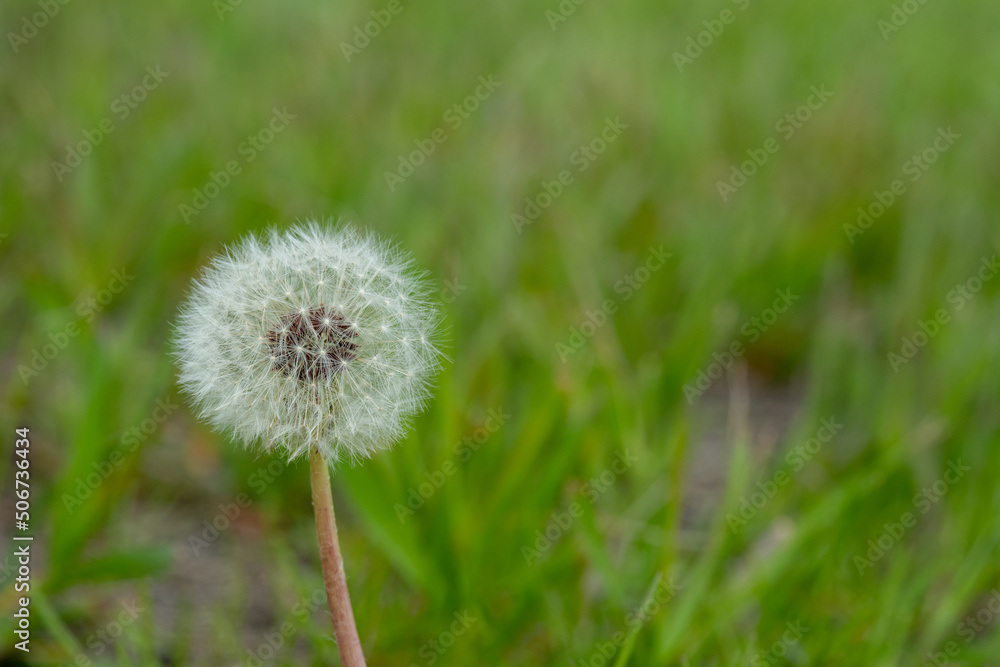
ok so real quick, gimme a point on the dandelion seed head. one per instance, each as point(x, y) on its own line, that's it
point(319, 336)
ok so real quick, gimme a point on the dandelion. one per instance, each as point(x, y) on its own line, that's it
point(317, 340)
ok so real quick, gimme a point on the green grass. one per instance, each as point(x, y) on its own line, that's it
point(509, 299)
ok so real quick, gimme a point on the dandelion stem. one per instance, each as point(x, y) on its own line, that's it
point(337, 595)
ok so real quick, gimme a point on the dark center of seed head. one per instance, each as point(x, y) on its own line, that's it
point(313, 345)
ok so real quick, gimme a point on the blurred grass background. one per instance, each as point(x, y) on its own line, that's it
point(509, 299)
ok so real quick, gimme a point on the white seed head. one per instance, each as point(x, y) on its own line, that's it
point(318, 336)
